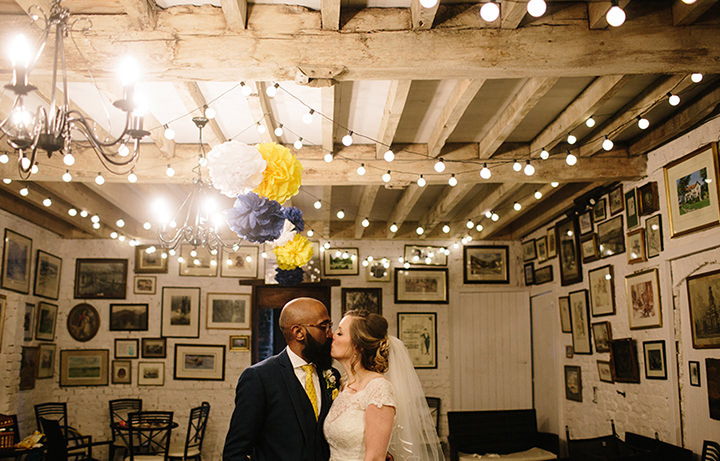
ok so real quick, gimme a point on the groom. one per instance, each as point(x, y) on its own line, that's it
point(281, 402)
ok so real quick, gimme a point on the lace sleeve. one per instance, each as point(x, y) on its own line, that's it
point(379, 392)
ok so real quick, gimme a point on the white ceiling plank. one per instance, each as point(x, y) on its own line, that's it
point(235, 12)
point(462, 95)
point(326, 201)
point(404, 206)
point(422, 18)
point(330, 14)
point(367, 201)
point(260, 110)
point(513, 12)
point(394, 105)
point(684, 14)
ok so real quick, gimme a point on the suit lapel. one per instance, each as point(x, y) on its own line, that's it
point(298, 397)
point(326, 399)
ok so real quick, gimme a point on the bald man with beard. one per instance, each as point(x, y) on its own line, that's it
point(274, 417)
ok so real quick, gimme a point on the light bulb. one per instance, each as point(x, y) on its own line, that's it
point(68, 159)
point(83, 213)
point(340, 214)
point(202, 161)
point(590, 122)
point(570, 159)
point(122, 239)
point(488, 214)
point(310, 233)
point(132, 177)
point(495, 217)
point(96, 225)
point(386, 177)
point(20, 52)
point(317, 204)
point(517, 166)
point(210, 113)
point(298, 144)
point(94, 218)
point(536, 8)
point(419, 230)
point(571, 139)
point(389, 155)
point(469, 224)
point(193, 253)
point(99, 180)
point(393, 228)
point(261, 129)
point(271, 91)
point(673, 99)
point(24, 191)
point(615, 16)
point(529, 170)
point(123, 150)
point(479, 227)
point(246, 90)
point(421, 181)
point(485, 173)
point(7, 181)
point(347, 140)
point(169, 133)
point(544, 154)
point(120, 223)
point(365, 222)
point(47, 201)
point(164, 255)
point(128, 71)
point(67, 177)
point(328, 157)
point(113, 235)
point(361, 170)
point(4, 158)
point(607, 144)
point(365, 263)
point(147, 225)
point(440, 166)
point(554, 184)
point(279, 130)
point(428, 3)
point(170, 171)
point(643, 123)
point(537, 195)
point(452, 181)
point(490, 11)
point(446, 229)
point(308, 117)
point(696, 77)
point(34, 169)
point(25, 163)
point(517, 206)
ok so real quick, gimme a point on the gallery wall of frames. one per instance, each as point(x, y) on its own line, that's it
point(635, 276)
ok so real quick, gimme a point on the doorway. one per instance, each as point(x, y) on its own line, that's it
point(546, 366)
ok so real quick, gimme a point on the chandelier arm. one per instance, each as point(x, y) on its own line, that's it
point(88, 132)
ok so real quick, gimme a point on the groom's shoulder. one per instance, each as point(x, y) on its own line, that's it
point(270, 362)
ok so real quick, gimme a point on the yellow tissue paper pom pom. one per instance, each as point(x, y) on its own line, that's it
point(297, 252)
point(282, 176)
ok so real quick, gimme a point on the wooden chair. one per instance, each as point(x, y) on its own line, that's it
point(710, 451)
point(10, 434)
point(195, 435)
point(56, 443)
point(149, 435)
point(119, 411)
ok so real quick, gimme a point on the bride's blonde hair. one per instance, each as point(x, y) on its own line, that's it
point(368, 333)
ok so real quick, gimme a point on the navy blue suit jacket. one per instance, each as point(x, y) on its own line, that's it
point(273, 419)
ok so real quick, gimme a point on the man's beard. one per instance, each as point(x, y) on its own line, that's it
point(317, 353)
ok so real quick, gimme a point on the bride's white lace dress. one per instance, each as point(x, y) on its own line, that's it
point(344, 426)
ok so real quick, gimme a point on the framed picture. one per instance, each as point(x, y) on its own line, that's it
point(128, 317)
point(149, 263)
point(599, 210)
point(425, 255)
point(611, 237)
point(573, 383)
point(541, 247)
point(144, 285)
point(240, 343)
point(569, 251)
point(602, 291)
point(29, 322)
point(691, 185)
point(83, 367)
point(241, 263)
point(418, 331)
point(712, 372)
point(180, 313)
point(197, 262)
point(643, 298)
point(151, 373)
point(101, 278)
point(3, 309)
point(378, 270)
point(543, 275)
point(569, 352)
point(154, 348)
point(631, 209)
point(615, 197)
point(564, 307)
point(83, 322)
point(47, 275)
point(126, 348)
point(703, 298)
point(341, 261)
point(585, 222)
point(121, 372)
point(648, 198)
point(46, 319)
point(486, 264)
point(529, 250)
point(655, 361)
point(636, 246)
point(580, 321)
point(623, 357)
point(694, 373)
point(605, 371)
point(17, 251)
point(229, 311)
point(200, 362)
point(421, 286)
point(653, 236)
point(46, 361)
point(529, 273)
point(28, 367)
point(551, 247)
point(369, 299)
point(602, 335)
point(589, 248)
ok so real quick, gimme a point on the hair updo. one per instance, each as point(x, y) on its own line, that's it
point(368, 333)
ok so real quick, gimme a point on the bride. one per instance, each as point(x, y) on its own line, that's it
point(382, 407)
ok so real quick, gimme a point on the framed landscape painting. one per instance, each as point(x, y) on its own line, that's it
point(180, 313)
point(691, 185)
point(151, 373)
point(200, 362)
point(128, 317)
point(543, 275)
point(418, 331)
point(229, 311)
point(144, 285)
point(589, 248)
point(101, 278)
point(197, 262)
point(241, 263)
point(47, 275)
point(569, 251)
point(369, 299)
point(611, 237)
point(529, 250)
point(149, 263)
point(154, 348)
point(46, 320)
point(421, 286)
point(17, 250)
point(486, 264)
point(240, 342)
point(704, 304)
point(341, 261)
point(643, 299)
point(425, 255)
point(83, 367)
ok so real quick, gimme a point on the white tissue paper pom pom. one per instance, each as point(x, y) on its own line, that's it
point(287, 234)
point(235, 168)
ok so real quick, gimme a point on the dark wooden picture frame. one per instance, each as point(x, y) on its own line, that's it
point(585, 222)
point(624, 360)
point(589, 248)
point(632, 213)
point(551, 235)
point(154, 348)
point(48, 269)
point(602, 335)
point(97, 278)
point(694, 373)
point(569, 252)
point(529, 273)
point(126, 348)
point(601, 282)
point(611, 237)
point(17, 253)
point(199, 362)
point(421, 286)
point(83, 322)
point(129, 317)
point(648, 198)
point(149, 263)
point(369, 299)
point(543, 275)
point(564, 309)
point(654, 236)
point(616, 200)
point(655, 359)
point(580, 321)
point(573, 383)
point(529, 250)
point(486, 264)
point(599, 210)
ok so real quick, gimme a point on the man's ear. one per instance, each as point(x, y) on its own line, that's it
point(298, 333)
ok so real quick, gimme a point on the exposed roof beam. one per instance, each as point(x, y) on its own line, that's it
point(522, 102)
point(326, 201)
point(193, 98)
point(509, 216)
point(513, 13)
point(394, 106)
point(26, 4)
point(260, 110)
point(126, 197)
point(38, 216)
point(404, 206)
point(367, 201)
point(327, 107)
point(490, 202)
point(597, 11)
point(594, 96)
point(330, 10)
point(142, 15)
point(684, 14)
point(457, 103)
point(448, 201)
point(235, 12)
point(422, 18)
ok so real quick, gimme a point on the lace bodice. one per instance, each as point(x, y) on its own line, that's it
point(344, 426)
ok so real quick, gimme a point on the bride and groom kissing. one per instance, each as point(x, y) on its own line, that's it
point(294, 407)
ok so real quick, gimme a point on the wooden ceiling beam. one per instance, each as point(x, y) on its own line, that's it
point(522, 102)
point(26, 4)
point(327, 107)
point(142, 15)
point(422, 18)
point(260, 110)
point(38, 215)
point(685, 14)
point(489, 203)
point(326, 201)
point(461, 97)
point(235, 12)
point(330, 14)
point(513, 13)
point(367, 201)
point(193, 99)
point(404, 206)
point(394, 105)
point(509, 215)
point(448, 201)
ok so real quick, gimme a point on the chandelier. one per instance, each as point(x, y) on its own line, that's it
point(50, 129)
point(198, 213)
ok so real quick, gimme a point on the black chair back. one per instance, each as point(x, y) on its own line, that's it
point(55, 444)
point(120, 409)
point(56, 411)
point(711, 451)
point(149, 433)
point(196, 427)
point(434, 405)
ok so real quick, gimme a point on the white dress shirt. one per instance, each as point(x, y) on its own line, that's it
point(297, 363)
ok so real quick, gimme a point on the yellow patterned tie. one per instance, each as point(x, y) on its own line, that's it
point(310, 388)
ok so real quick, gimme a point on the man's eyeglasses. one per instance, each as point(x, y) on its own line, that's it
point(327, 325)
